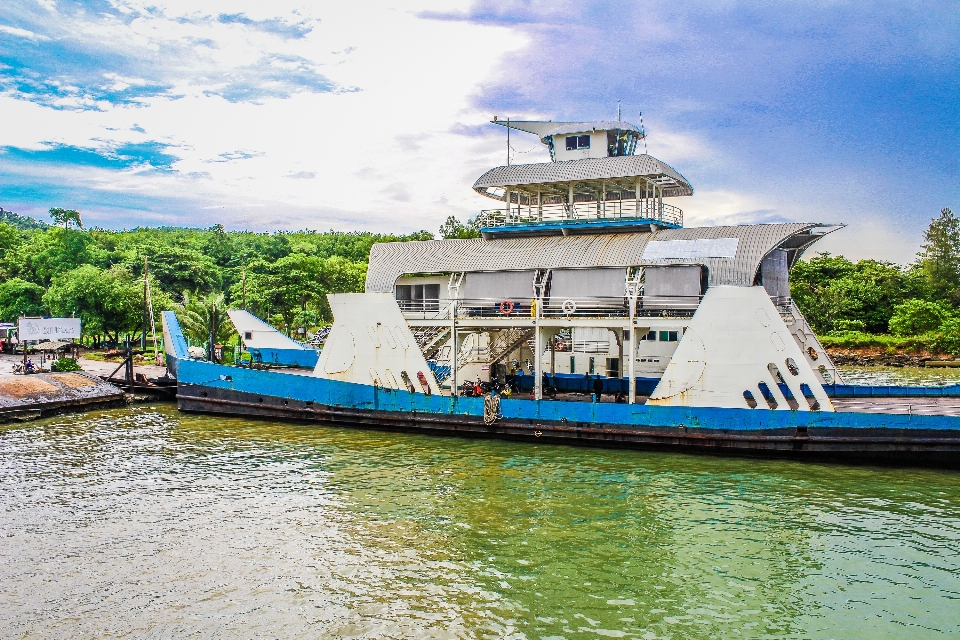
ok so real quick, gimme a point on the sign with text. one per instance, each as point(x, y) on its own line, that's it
point(43, 329)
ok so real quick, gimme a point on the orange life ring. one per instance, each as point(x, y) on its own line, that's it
point(506, 307)
point(561, 345)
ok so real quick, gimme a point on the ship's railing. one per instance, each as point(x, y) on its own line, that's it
point(594, 307)
point(553, 307)
point(582, 212)
point(427, 309)
point(784, 305)
point(586, 307)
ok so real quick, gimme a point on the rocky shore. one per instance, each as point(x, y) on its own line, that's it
point(879, 357)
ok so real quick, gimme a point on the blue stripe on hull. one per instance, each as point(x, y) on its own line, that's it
point(368, 398)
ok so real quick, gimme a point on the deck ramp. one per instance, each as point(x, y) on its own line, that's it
point(268, 345)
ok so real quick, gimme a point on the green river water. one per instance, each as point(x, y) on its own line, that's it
point(145, 522)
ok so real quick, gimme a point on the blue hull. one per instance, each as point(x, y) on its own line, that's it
point(900, 438)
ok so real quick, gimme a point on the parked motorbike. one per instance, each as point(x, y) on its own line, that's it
point(471, 389)
point(21, 369)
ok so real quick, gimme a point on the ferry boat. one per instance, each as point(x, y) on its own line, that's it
point(612, 323)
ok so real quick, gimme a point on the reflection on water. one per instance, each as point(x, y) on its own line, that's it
point(147, 522)
point(908, 376)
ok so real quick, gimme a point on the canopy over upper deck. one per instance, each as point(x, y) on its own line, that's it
point(588, 177)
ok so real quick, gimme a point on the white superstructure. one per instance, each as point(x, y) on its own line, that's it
point(586, 270)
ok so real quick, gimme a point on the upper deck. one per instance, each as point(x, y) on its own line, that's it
point(594, 184)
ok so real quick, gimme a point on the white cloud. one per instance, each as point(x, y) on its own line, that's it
point(724, 207)
point(21, 33)
point(382, 156)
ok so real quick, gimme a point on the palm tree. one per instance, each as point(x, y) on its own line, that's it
point(201, 317)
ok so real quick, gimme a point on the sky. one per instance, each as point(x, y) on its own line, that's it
point(375, 115)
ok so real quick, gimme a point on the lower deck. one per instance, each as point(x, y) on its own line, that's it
point(911, 437)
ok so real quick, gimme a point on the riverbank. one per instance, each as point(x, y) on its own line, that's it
point(40, 395)
point(884, 357)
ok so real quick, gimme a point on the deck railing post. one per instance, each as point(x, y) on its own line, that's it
point(454, 355)
point(632, 349)
point(538, 352)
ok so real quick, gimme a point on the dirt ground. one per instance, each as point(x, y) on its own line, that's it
point(96, 367)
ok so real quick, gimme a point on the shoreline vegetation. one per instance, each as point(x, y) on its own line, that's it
point(864, 312)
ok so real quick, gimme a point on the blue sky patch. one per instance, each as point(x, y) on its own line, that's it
point(62, 68)
point(126, 156)
point(275, 26)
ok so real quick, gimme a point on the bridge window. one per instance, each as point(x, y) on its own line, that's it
point(578, 142)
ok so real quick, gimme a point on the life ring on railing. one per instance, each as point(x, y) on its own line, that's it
point(569, 307)
point(560, 345)
point(506, 307)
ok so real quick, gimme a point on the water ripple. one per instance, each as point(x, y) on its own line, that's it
point(151, 523)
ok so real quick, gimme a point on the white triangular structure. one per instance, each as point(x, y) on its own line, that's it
point(736, 341)
point(371, 343)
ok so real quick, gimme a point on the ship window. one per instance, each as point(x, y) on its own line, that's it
point(247, 335)
point(418, 297)
point(651, 335)
point(578, 142)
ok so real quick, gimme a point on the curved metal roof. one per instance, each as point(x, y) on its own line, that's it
point(583, 127)
point(391, 260)
point(639, 166)
point(542, 129)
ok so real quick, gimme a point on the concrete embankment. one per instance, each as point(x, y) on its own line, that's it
point(40, 395)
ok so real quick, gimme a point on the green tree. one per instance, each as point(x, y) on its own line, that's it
point(17, 296)
point(454, 229)
point(940, 257)
point(835, 293)
point(291, 285)
point(340, 275)
point(109, 301)
point(947, 338)
point(50, 253)
point(10, 241)
point(916, 317)
point(176, 268)
point(65, 217)
point(198, 315)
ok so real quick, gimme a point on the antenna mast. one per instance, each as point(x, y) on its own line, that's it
point(618, 110)
point(508, 141)
point(644, 132)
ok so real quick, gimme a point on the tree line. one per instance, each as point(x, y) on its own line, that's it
point(97, 274)
point(872, 302)
point(283, 277)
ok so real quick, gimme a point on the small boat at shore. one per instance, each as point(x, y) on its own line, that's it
point(586, 313)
